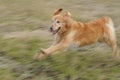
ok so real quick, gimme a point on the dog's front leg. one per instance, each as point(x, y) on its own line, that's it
point(55, 48)
point(52, 49)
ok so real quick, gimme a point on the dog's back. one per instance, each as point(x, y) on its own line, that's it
point(102, 28)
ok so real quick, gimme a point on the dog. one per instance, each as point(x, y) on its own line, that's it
point(69, 32)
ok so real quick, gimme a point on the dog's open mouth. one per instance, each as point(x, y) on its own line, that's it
point(55, 31)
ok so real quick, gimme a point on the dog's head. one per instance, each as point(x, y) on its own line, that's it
point(59, 23)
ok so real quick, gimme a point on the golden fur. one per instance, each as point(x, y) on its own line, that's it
point(68, 32)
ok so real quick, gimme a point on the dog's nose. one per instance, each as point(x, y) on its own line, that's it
point(51, 29)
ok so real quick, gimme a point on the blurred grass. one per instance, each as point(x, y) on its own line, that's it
point(21, 49)
point(95, 62)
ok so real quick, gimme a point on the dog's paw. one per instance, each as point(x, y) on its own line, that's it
point(39, 56)
point(36, 57)
point(42, 51)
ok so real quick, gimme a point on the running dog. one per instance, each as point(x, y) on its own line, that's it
point(68, 32)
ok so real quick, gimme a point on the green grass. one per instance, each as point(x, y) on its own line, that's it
point(74, 64)
point(95, 62)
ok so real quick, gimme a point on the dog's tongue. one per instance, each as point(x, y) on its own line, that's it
point(54, 32)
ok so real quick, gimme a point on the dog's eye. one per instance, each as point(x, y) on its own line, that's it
point(58, 21)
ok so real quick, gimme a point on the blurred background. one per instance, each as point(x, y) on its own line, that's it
point(24, 30)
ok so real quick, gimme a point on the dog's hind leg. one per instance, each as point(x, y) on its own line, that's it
point(110, 38)
point(113, 45)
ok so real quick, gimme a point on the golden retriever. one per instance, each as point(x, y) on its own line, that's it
point(70, 32)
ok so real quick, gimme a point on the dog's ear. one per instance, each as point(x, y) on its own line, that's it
point(67, 14)
point(58, 11)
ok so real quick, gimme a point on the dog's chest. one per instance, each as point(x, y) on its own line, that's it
point(71, 38)
point(57, 38)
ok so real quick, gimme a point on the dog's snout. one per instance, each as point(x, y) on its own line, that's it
point(51, 28)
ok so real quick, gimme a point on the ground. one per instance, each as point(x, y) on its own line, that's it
point(24, 30)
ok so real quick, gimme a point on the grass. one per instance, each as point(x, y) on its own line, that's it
point(31, 19)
